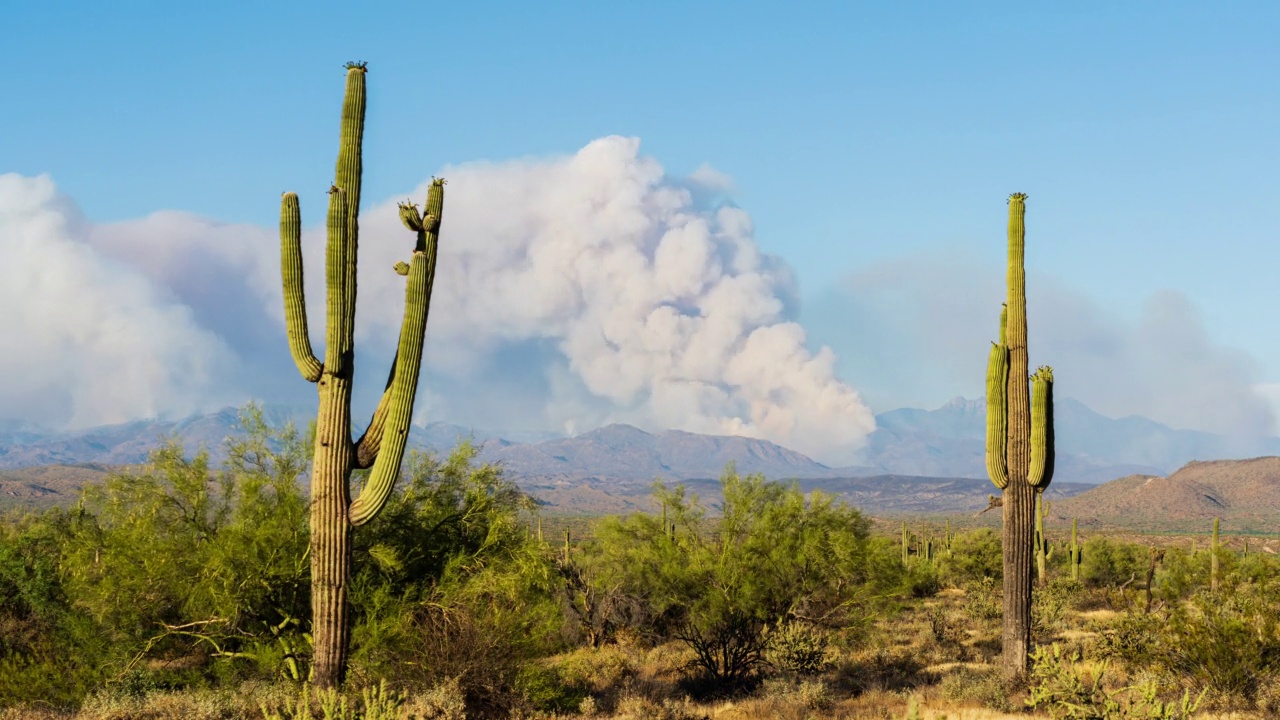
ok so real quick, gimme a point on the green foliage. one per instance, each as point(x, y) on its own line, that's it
point(178, 565)
point(1108, 563)
point(545, 689)
point(1229, 642)
point(797, 648)
point(922, 580)
point(1049, 603)
point(452, 584)
point(774, 554)
point(1068, 690)
point(975, 554)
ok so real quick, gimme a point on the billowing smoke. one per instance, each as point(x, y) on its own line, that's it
point(920, 327)
point(628, 298)
point(570, 292)
point(88, 340)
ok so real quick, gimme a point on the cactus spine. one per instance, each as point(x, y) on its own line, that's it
point(333, 513)
point(1213, 559)
point(1019, 444)
point(1074, 553)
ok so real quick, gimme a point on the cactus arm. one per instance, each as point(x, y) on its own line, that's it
point(369, 442)
point(997, 413)
point(386, 468)
point(1042, 450)
point(335, 280)
point(295, 300)
point(348, 174)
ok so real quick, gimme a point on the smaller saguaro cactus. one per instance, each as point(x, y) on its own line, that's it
point(906, 543)
point(1043, 549)
point(1213, 558)
point(1075, 554)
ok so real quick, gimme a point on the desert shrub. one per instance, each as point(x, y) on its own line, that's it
point(809, 693)
point(922, 580)
point(1228, 642)
point(985, 687)
point(1132, 637)
point(975, 554)
point(715, 585)
point(1068, 689)
point(883, 669)
point(797, 648)
point(946, 633)
point(1049, 603)
point(982, 600)
point(1108, 563)
point(546, 689)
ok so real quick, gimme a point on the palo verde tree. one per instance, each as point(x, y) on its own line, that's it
point(333, 513)
point(1019, 447)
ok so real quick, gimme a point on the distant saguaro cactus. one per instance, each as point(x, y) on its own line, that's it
point(906, 543)
point(1044, 551)
point(333, 513)
point(1020, 450)
point(1074, 553)
point(1214, 547)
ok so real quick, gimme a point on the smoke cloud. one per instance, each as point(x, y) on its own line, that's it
point(570, 292)
point(633, 300)
point(89, 340)
point(916, 330)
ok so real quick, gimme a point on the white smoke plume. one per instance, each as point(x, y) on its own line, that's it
point(88, 340)
point(570, 292)
point(921, 327)
point(634, 302)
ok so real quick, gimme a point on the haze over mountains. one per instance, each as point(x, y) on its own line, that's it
point(945, 442)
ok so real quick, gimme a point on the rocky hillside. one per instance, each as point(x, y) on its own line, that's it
point(1244, 493)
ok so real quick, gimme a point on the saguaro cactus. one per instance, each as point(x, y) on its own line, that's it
point(333, 513)
point(907, 537)
point(1214, 547)
point(1019, 446)
point(1074, 554)
point(1044, 551)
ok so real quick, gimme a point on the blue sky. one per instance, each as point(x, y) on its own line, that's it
point(857, 136)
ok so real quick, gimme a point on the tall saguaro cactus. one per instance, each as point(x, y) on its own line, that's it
point(333, 513)
point(1019, 446)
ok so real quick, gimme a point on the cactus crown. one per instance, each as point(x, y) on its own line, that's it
point(361, 65)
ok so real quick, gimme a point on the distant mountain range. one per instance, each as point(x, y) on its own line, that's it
point(917, 461)
point(946, 442)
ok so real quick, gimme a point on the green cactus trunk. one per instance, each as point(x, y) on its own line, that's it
point(1214, 547)
point(906, 543)
point(1043, 550)
point(1019, 447)
point(333, 513)
point(1074, 553)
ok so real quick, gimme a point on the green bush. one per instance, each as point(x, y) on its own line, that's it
point(716, 584)
point(1109, 563)
point(797, 648)
point(975, 554)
